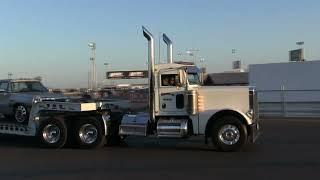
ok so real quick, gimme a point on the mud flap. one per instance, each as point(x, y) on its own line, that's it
point(255, 132)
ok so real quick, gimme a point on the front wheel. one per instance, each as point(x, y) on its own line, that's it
point(89, 133)
point(229, 134)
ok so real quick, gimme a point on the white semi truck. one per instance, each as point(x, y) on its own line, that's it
point(179, 107)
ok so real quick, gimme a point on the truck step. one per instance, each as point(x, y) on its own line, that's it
point(172, 128)
point(11, 128)
point(134, 124)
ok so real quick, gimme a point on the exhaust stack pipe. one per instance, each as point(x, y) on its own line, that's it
point(150, 39)
point(169, 48)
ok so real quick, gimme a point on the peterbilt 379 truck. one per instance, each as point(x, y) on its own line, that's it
point(179, 107)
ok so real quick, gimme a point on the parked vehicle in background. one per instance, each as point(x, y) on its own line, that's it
point(16, 97)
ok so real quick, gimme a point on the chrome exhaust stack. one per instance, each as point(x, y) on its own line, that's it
point(169, 48)
point(150, 39)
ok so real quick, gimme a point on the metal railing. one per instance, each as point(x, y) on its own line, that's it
point(289, 103)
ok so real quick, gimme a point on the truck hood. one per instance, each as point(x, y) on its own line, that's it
point(230, 97)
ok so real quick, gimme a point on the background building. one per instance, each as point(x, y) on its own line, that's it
point(287, 89)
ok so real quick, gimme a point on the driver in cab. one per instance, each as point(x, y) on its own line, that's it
point(169, 80)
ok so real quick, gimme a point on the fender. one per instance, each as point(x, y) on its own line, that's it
point(227, 111)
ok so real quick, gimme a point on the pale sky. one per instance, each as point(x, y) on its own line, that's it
point(49, 38)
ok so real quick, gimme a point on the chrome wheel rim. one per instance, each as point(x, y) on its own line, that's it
point(20, 114)
point(229, 134)
point(88, 133)
point(51, 133)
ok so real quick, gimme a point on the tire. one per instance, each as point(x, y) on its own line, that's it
point(229, 134)
point(21, 114)
point(89, 133)
point(53, 133)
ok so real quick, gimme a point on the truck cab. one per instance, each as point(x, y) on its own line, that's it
point(180, 107)
point(171, 90)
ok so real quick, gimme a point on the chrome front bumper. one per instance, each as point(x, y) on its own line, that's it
point(255, 131)
point(254, 128)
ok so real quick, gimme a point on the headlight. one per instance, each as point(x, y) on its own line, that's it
point(37, 99)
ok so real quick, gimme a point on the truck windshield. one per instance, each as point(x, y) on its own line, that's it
point(28, 86)
point(193, 79)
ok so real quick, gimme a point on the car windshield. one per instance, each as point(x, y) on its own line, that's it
point(193, 79)
point(28, 86)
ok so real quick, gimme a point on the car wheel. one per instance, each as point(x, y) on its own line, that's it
point(229, 134)
point(53, 133)
point(21, 114)
point(89, 133)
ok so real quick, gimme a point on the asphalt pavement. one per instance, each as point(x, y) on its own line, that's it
point(288, 149)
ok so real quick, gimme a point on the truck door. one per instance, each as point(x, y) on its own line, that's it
point(4, 97)
point(172, 94)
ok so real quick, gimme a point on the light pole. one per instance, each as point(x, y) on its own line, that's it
point(192, 52)
point(300, 43)
point(234, 51)
point(107, 65)
point(202, 69)
point(10, 75)
point(92, 46)
point(160, 35)
point(201, 61)
point(89, 79)
point(179, 54)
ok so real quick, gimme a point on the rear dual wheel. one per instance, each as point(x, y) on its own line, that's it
point(53, 133)
point(89, 133)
